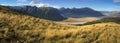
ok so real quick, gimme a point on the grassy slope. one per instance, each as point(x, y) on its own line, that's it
point(19, 28)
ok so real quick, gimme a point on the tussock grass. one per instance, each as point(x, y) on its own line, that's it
point(21, 28)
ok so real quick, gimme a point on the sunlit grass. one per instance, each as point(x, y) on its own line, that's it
point(21, 28)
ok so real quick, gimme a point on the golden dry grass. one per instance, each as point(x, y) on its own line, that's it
point(20, 28)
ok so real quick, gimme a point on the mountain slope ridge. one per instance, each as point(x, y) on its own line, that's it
point(80, 12)
point(48, 13)
point(51, 13)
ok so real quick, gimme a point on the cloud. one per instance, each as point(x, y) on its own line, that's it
point(5, 4)
point(55, 6)
point(40, 4)
point(21, 0)
point(116, 0)
point(118, 7)
point(34, 2)
point(37, 3)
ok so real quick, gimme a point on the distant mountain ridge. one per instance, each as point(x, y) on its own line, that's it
point(48, 13)
point(80, 12)
point(107, 13)
point(55, 14)
point(114, 14)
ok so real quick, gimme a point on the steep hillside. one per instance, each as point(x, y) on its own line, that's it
point(16, 27)
point(19, 27)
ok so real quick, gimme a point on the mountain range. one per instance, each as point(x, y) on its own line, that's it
point(80, 12)
point(48, 13)
point(55, 14)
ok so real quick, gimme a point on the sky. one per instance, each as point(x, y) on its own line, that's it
point(101, 5)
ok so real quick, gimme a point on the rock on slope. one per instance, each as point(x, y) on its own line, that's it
point(16, 27)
